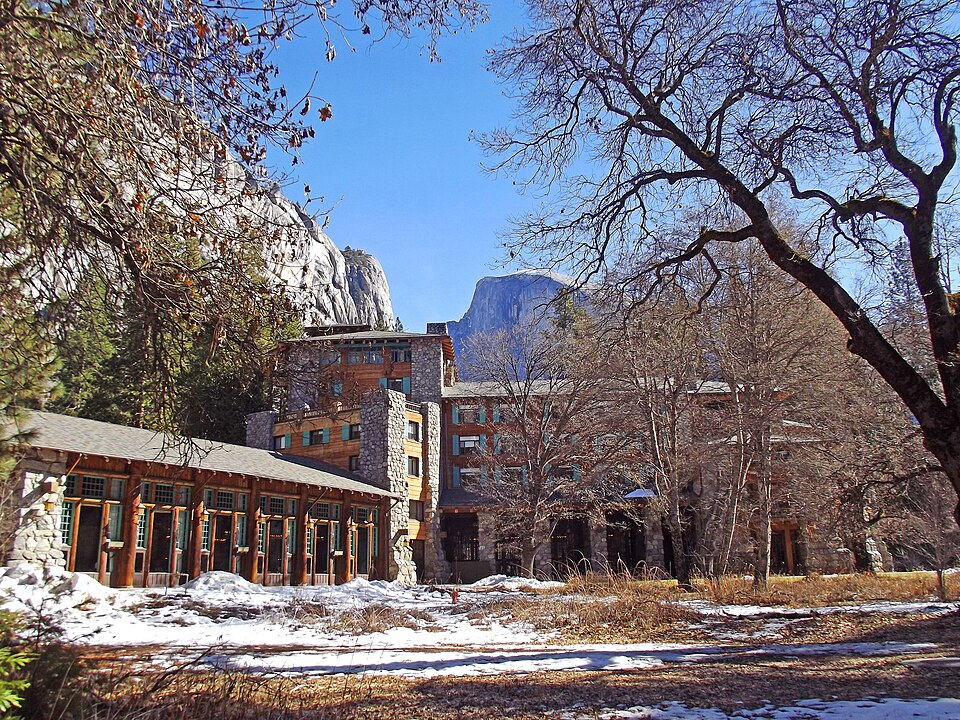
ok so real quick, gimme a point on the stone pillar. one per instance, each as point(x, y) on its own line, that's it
point(426, 383)
point(342, 566)
point(598, 545)
point(487, 539)
point(39, 494)
point(436, 566)
point(383, 462)
point(260, 429)
point(653, 537)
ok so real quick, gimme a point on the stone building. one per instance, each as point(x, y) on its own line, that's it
point(361, 472)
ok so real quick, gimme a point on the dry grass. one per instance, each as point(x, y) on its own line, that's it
point(817, 590)
point(599, 609)
point(378, 618)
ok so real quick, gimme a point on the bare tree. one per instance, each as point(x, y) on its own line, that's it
point(769, 340)
point(133, 147)
point(844, 112)
point(657, 364)
point(561, 438)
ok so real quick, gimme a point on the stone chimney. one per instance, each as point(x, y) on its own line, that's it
point(437, 328)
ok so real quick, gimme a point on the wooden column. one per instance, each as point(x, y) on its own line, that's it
point(253, 534)
point(300, 556)
point(343, 566)
point(104, 534)
point(195, 542)
point(386, 541)
point(129, 522)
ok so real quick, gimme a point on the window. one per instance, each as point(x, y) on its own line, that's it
point(224, 500)
point(354, 432)
point(417, 508)
point(330, 357)
point(399, 355)
point(319, 437)
point(183, 495)
point(365, 357)
point(92, 487)
point(145, 492)
point(163, 494)
point(469, 445)
point(281, 442)
point(469, 477)
point(354, 463)
point(66, 522)
point(413, 430)
point(276, 506)
point(70, 487)
point(395, 384)
point(116, 489)
point(470, 415)
point(413, 466)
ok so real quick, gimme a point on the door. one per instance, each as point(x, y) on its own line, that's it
point(363, 550)
point(88, 539)
point(223, 542)
point(321, 553)
point(275, 548)
point(161, 541)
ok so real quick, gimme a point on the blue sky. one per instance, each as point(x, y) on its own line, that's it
point(396, 160)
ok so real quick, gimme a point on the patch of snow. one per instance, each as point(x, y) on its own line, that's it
point(508, 582)
point(220, 581)
point(868, 709)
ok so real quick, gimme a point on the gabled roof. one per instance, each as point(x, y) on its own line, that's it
point(95, 438)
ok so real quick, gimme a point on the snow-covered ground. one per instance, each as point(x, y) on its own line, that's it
point(379, 628)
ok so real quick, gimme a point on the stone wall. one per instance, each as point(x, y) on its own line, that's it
point(426, 384)
point(653, 538)
point(39, 494)
point(383, 461)
point(435, 562)
point(260, 429)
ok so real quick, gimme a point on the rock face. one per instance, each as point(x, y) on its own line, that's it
point(331, 287)
point(368, 287)
point(502, 302)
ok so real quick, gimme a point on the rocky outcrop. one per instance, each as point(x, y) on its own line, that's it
point(367, 284)
point(502, 302)
point(330, 286)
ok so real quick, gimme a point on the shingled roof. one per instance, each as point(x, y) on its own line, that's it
point(92, 437)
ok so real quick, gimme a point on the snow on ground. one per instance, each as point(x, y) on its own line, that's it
point(228, 622)
point(869, 709)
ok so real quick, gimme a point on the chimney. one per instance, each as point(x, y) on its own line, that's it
point(437, 328)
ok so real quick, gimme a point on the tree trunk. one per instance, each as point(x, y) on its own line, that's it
point(528, 553)
point(761, 572)
point(681, 563)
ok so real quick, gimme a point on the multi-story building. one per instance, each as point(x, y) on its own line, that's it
point(366, 470)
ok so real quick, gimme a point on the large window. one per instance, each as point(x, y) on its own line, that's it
point(373, 356)
point(470, 414)
point(469, 445)
point(399, 355)
point(281, 442)
point(354, 432)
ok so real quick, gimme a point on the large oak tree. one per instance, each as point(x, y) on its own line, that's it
point(839, 113)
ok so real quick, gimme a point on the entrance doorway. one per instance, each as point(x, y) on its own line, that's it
point(223, 542)
point(568, 546)
point(89, 527)
point(160, 542)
